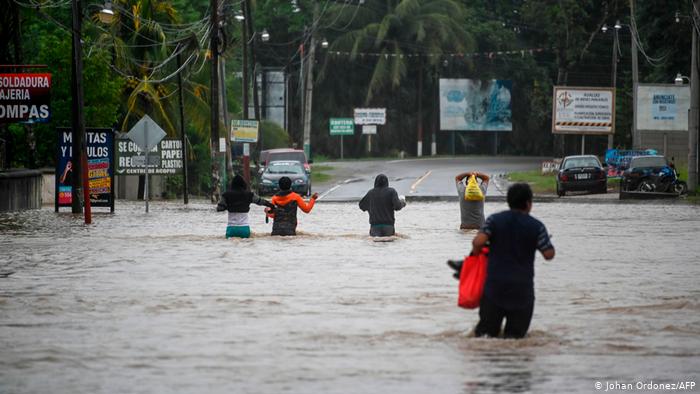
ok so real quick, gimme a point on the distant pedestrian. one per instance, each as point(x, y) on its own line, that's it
point(237, 202)
point(509, 292)
point(381, 202)
point(286, 203)
point(471, 209)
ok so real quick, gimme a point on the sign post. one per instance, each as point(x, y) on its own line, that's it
point(369, 130)
point(341, 127)
point(146, 134)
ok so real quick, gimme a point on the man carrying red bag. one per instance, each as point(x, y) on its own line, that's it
point(509, 292)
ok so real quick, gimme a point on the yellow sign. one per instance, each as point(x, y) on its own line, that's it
point(244, 130)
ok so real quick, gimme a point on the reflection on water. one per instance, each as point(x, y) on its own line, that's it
point(163, 303)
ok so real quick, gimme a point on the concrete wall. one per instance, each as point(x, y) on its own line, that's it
point(667, 143)
point(127, 186)
point(20, 189)
point(48, 190)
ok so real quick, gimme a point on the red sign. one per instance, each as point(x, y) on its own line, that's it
point(25, 97)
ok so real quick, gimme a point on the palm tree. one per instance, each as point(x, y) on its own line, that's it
point(400, 31)
point(145, 44)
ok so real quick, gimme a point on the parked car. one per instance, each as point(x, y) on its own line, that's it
point(581, 173)
point(652, 174)
point(284, 154)
point(269, 180)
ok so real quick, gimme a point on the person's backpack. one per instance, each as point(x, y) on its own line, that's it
point(473, 191)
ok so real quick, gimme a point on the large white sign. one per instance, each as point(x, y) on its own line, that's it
point(662, 107)
point(583, 110)
point(370, 115)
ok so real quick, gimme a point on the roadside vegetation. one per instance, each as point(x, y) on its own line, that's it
point(317, 174)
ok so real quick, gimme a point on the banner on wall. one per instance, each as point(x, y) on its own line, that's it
point(475, 105)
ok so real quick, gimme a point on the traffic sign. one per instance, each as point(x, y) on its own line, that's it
point(342, 126)
point(146, 133)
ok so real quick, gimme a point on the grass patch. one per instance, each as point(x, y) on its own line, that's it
point(317, 174)
point(540, 184)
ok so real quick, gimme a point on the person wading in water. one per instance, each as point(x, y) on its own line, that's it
point(381, 202)
point(286, 203)
point(237, 202)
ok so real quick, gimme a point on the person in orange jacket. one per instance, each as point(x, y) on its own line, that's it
point(285, 212)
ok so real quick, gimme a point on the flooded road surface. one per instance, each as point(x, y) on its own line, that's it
point(163, 303)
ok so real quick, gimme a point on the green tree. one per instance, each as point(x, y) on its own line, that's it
point(399, 31)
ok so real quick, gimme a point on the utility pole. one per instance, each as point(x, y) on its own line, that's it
point(183, 138)
point(80, 183)
point(636, 140)
point(614, 81)
point(694, 104)
point(214, 143)
point(309, 88)
point(227, 131)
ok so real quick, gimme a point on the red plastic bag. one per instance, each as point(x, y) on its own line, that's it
point(471, 280)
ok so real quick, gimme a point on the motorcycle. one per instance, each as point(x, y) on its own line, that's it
point(665, 181)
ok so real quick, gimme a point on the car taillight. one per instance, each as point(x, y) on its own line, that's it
point(564, 177)
point(601, 174)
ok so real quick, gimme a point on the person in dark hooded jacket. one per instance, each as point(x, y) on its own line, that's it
point(381, 202)
point(237, 202)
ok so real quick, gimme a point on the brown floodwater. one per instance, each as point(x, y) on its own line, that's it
point(161, 302)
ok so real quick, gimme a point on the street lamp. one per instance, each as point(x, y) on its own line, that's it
point(265, 36)
point(324, 43)
point(106, 14)
point(679, 79)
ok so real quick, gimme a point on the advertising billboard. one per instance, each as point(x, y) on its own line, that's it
point(476, 105)
point(583, 110)
point(244, 130)
point(25, 97)
point(100, 162)
point(662, 107)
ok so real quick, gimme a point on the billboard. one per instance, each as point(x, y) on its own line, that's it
point(475, 105)
point(164, 159)
point(100, 162)
point(25, 97)
point(244, 130)
point(662, 107)
point(583, 110)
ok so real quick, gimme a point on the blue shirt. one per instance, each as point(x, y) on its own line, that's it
point(514, 238)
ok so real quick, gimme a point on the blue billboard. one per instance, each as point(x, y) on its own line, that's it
point(476, 105)
point(100, 167)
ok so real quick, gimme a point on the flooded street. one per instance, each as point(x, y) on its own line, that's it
point(163, 303)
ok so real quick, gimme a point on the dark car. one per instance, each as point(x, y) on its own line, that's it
point(284, 154)
point(581, 173)
point(269, 180)
point(651, 174)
